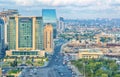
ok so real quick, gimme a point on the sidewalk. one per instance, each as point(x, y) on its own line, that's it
point(75, 69)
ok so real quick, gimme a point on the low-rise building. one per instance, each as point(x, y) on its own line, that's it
point(89, 53)
point(30, 53)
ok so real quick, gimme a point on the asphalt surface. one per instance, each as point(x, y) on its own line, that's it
point(55, 68)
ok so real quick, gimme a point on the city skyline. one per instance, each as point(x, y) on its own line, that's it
point(59, 38)
point(73, 9)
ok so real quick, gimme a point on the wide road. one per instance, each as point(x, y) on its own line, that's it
point(55, 67)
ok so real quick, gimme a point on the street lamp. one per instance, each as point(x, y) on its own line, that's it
point(84, 68)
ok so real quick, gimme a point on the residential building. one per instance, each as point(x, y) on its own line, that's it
point(89, 53)
point(48, 38)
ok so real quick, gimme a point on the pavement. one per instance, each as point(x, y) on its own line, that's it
point(55, 68)
point(76, 71)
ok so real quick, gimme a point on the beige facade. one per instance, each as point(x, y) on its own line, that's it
point(0, 72)
point(33, 37)
point(48, 38)
point(88, 55)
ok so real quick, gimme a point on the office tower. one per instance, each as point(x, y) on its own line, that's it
point(1, 35)
point(5, 16)
point(39, 33)
point(25, 36)
point(61, 24)
point(11, 33)
point(49, 16)
point(48, 38)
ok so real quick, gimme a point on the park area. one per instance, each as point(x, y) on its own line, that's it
point(97, 67)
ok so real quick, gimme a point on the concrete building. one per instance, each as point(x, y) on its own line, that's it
point(5, 16)
point(89, 53)
point(61, 24)
point(49, 16)
point(9, 12)
point(48, 38)
point(25, 36)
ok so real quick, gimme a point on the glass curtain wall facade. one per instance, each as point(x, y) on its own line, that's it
point(22, 53)
point(11, 33)
point(49, 16)
point(39, 33)
point(1, 35)
point(25, 33)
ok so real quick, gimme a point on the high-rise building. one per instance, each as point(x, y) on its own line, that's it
point(39, 33)
point(9, 12)
point(25, 36)
point(5, 16)
point(49, 16)
point(48, 38)
point(1, 35)
point(61, 24)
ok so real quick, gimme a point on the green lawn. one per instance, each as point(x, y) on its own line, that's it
point(13, 71)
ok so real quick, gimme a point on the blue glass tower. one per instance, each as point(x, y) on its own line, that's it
point(49, 16)
point(1, 35)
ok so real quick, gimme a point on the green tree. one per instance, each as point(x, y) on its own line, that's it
point(117, 75)
point(104, 75)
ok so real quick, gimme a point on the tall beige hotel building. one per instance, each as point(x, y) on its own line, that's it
point(48, 38)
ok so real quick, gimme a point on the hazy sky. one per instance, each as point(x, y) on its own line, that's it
point(67, 8)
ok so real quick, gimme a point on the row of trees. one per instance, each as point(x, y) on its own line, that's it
point(97, 67)
point(30, 61)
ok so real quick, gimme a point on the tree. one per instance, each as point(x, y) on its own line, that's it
point(14, 63)
point(99, 72)
point(117, 75)
point(104, 75)
point(10, 76)
point(113, 66)
point(6, 57)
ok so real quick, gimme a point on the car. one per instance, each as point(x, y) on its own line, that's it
point(73, 73)
point(62, 74)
